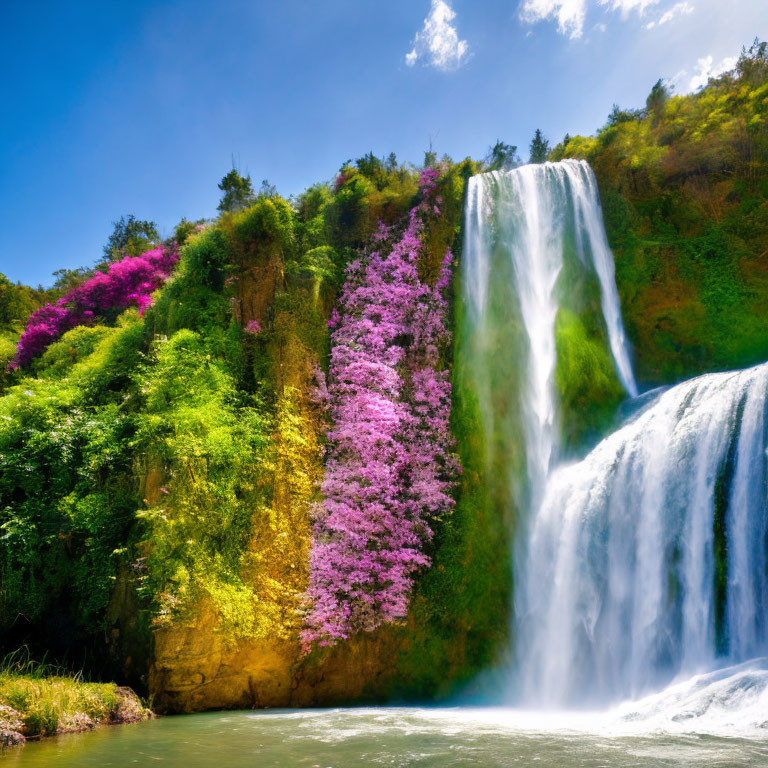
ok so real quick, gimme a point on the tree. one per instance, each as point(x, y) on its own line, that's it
point(130, 237)
point(539, 148)
point(501, 156)
point(17, 303)
point(67, 279)
point(430, 157)
point(6, 301)
point(238, 192)
point(619, 115)
point(558, 153)
point(266, 189)
point(657, 99)
point(753, 63)
point(372, 168)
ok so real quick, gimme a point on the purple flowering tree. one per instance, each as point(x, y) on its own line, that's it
point(390, 467)
point(129, 282)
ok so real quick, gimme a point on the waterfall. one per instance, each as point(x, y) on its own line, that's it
point(647, 560)
point(645, 563)
point(530, 217)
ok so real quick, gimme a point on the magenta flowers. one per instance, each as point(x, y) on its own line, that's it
point(127, 283)
point(390, 466)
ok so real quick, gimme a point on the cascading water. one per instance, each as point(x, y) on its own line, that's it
point(647, 560)
point(531, 214)
point(645, 563)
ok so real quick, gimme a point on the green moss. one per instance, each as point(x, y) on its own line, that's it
point(585, 376)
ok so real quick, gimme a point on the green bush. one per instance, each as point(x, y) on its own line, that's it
point(210, 446)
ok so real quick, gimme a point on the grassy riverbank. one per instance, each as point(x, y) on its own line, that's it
point(38, 700)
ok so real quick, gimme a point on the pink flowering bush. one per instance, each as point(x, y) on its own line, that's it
point(127, 283)
point(390, 467)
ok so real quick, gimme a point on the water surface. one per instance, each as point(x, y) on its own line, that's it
point(347, 738)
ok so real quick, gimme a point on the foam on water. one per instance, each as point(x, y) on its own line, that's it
point(729, 702)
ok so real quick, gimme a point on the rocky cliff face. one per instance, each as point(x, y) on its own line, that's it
point(194, 661)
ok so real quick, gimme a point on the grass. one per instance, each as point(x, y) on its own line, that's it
point(50, 700)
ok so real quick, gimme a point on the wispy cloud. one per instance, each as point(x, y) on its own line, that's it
point(706, 68)
point(677, 10)
point(438, 43)
point(570, 14)
point(684, 82)
point(625, 7)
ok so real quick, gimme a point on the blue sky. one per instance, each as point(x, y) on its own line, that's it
point(139, 107)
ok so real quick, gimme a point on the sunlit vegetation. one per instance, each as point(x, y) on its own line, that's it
point(684, 186)
point(38, 699)
point(169, 453)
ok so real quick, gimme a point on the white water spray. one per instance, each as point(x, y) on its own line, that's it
point(622, 590)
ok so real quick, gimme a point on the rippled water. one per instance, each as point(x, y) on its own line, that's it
point(712, 720)
point(347, 738)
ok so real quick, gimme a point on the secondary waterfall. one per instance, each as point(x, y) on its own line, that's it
point(647, 560)
point(531, 216)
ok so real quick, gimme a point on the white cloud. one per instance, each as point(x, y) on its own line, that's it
point(678, 9)
point(706, 69)
point(627, 6)
point(438, 42)
point(569, 14)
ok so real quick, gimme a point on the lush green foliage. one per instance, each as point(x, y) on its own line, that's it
point(179, 453)
point(684, 186)
point(210, 445)
point(66, 489)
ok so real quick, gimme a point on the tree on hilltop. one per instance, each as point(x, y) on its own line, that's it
point(539, 148)
point(130, 237)
point(238, 192)
point(501, 156)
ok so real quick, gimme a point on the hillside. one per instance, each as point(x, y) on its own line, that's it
point(163, 458)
